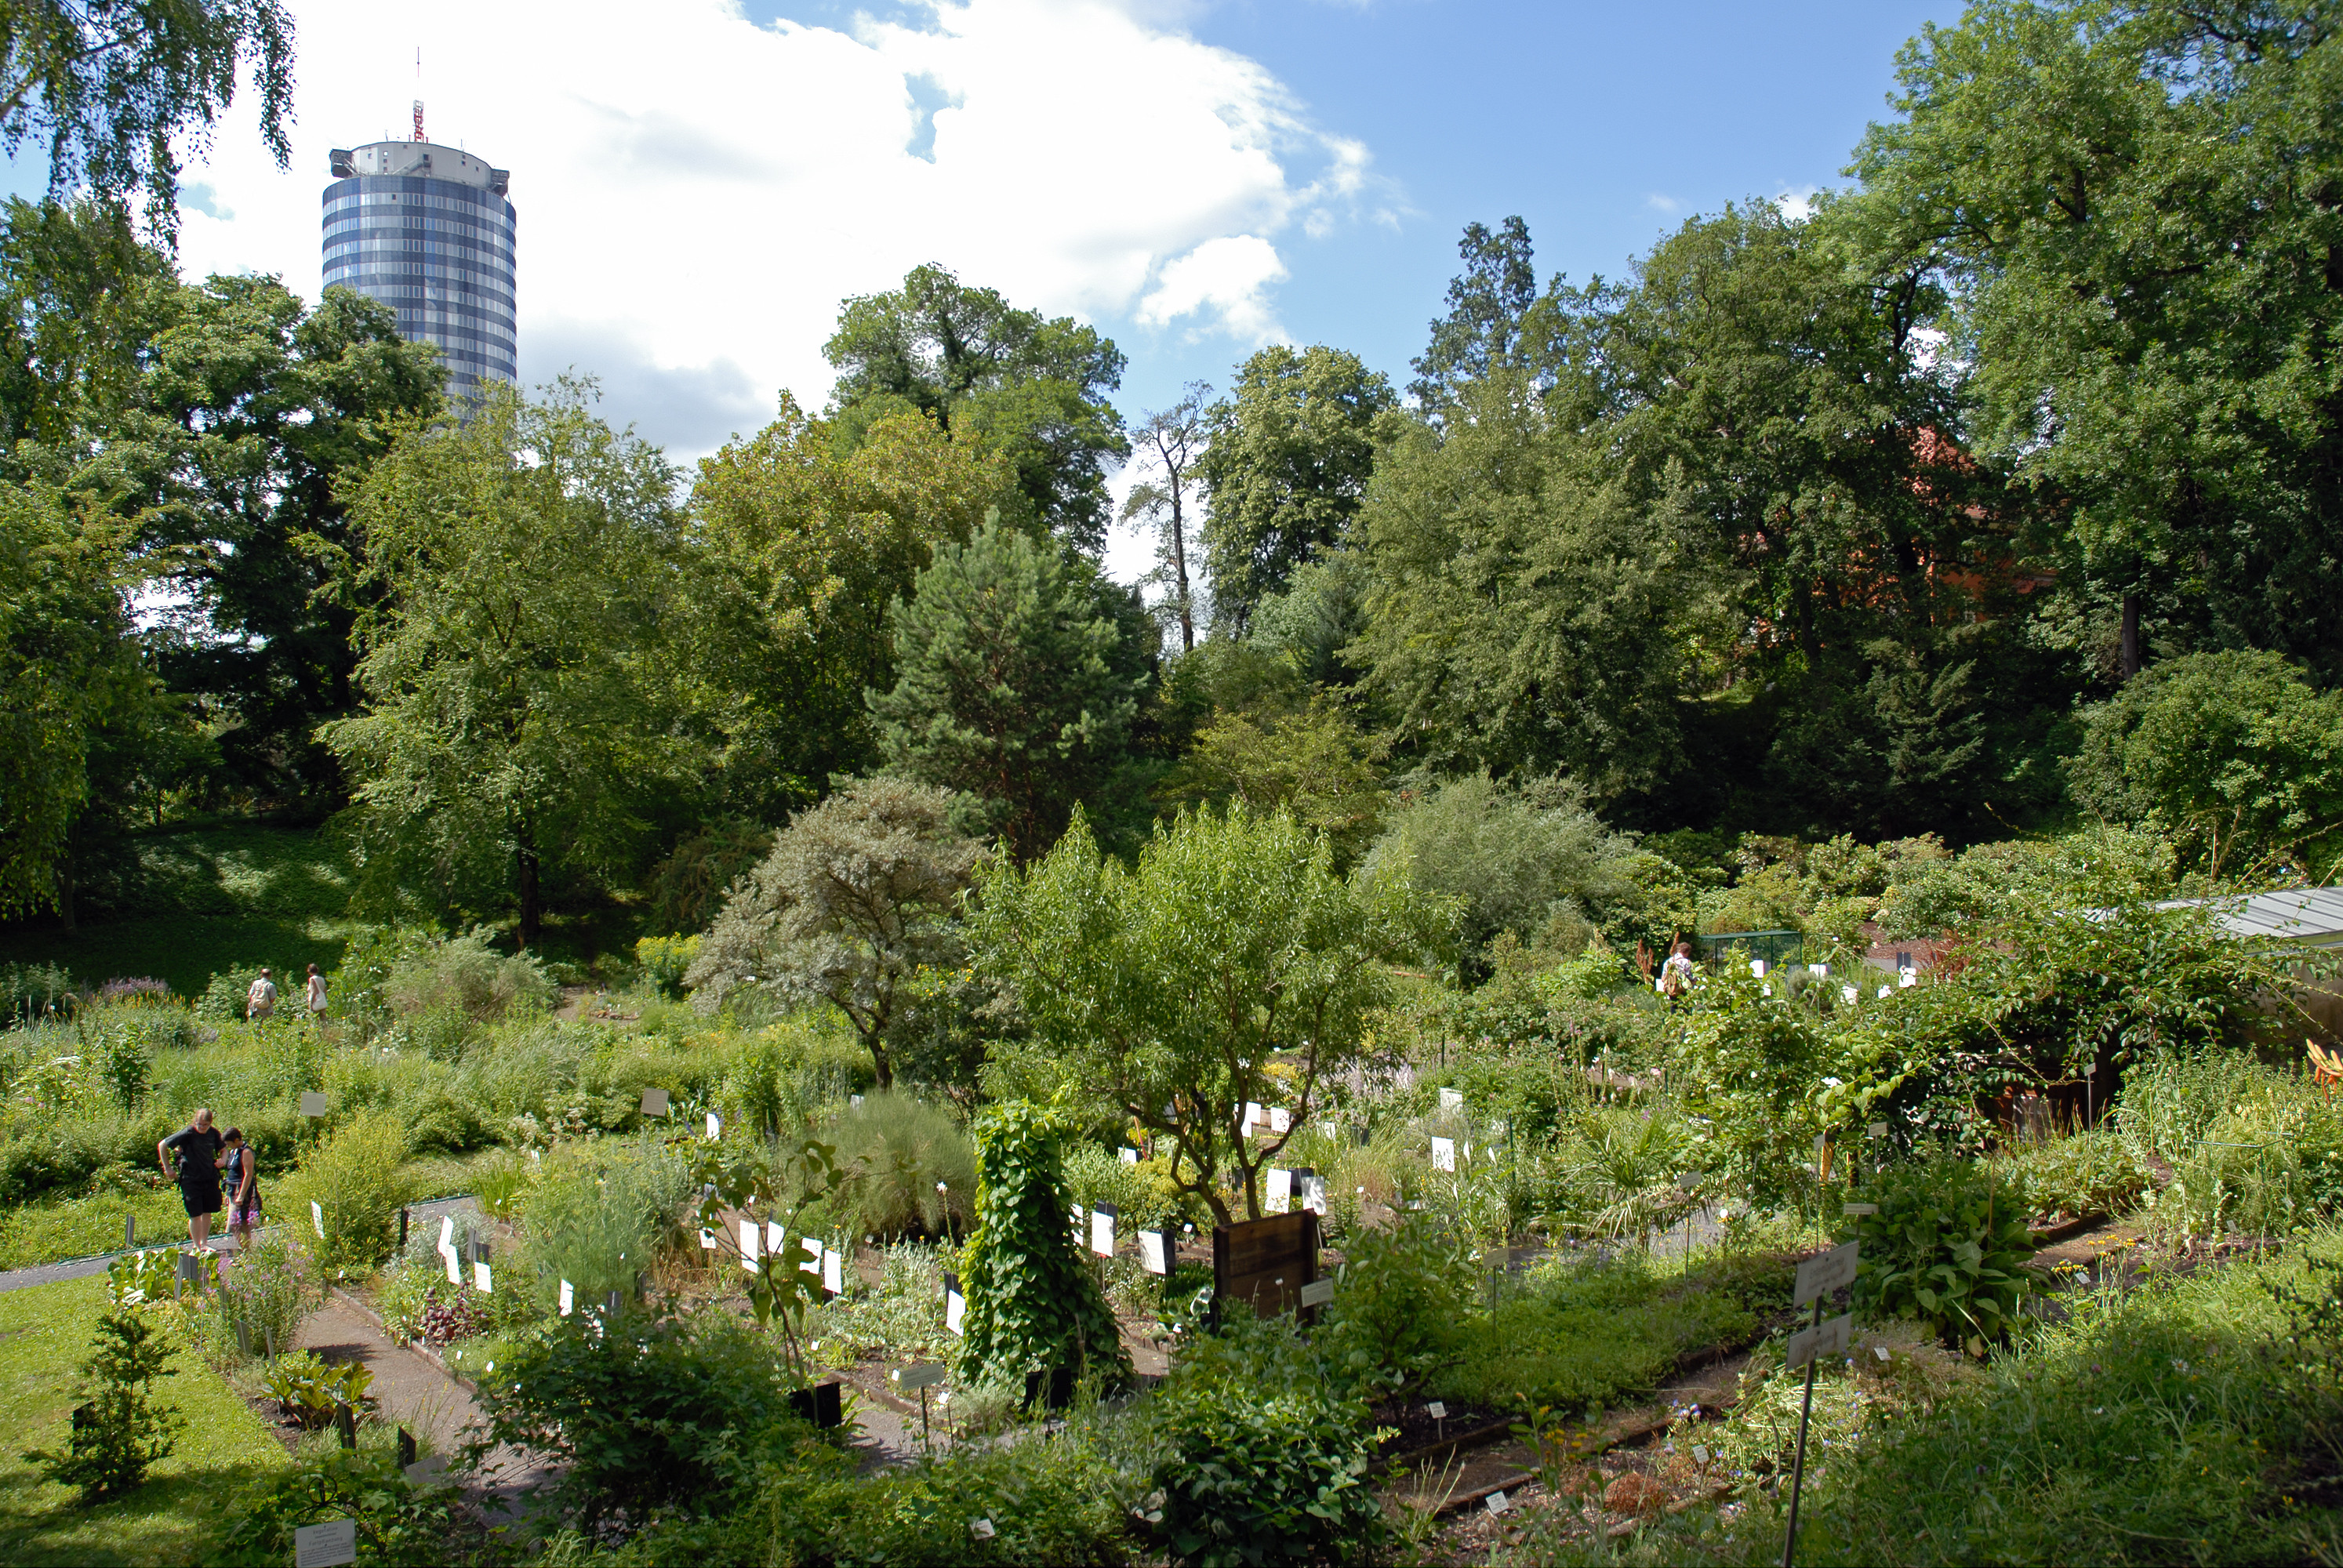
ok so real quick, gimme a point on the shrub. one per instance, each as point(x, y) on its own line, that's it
point(356, 1177)
point(438, 1122)
point(1033, 1305)
point(1945, 1247)
point(223, 1000)
point(2090, 1172)
point(264, 1297)
point(1403, 1296)
point(465, 974)
point(397, 1522)
point(597, 1215)
point(644, 1415)
point(1252, 1480)
point(665, 961)
point(118, 1430)
point(1061, 1502)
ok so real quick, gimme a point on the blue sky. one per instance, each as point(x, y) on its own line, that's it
point(699, 184)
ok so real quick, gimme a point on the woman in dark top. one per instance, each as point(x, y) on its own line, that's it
point(243, 1183)
point(197, 1147)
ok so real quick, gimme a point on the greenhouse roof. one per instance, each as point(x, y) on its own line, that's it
point(2312, 916)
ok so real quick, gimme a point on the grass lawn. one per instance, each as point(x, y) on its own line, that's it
point(33, 1233)
point(179, 1515)
point(189, 903)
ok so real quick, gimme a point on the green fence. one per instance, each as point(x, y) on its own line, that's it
point(1776, 947)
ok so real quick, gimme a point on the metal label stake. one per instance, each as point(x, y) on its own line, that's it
point(1817, 1278)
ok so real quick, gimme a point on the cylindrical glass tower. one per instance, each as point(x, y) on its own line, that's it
point(427, 230)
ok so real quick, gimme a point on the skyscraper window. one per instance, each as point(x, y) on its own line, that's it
point(428, 230)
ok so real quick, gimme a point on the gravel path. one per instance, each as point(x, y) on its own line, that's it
point(78, 1268)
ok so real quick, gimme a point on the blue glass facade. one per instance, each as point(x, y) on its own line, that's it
point(438, 248)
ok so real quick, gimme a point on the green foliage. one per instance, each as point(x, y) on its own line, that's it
point(1946, 1248)
point(1013, 685)
point(465, 974)
point(854, 900)
point(1273, 1475)
point(1523, 862)
point(2235, 754)
point(911, 1166)
point(641, 1414)
point(598, 1214)
point(1167, 990)
point(1288, 454)
point(358, 1177)
point(310, 1390)
point(665, 961)
point(517, 558)
point(1030, 389)
point(398, 1522)
point(1066, 1500)
point(1313, 762)
point(118, 1431)
point(1403, 1296)
point(2097, 1171)
point(782, 1183)
point(264, 1298)
point(1033, 1304)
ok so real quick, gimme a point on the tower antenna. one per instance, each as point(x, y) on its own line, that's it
point(419, 87)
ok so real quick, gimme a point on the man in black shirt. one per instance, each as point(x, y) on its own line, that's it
point(197, 1147)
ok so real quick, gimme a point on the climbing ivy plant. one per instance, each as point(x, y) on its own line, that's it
point(1034, 1302)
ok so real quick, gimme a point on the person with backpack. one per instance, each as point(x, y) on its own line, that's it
point(241, 1171)
point(261, 999)
point(1675, 975)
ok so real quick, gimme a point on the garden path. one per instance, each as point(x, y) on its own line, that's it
point(220, 1246)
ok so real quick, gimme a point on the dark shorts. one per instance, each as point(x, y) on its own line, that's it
point(201, 1198)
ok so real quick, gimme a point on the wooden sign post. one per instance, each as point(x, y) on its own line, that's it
point(1817, 1278)
point(1265, 1262)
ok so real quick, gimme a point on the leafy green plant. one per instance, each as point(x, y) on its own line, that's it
point(310, 1390)
point(1034, 1308)
point(266, 1296)
point(1257, 1479)
point(398, 1522)
point(1402, 1296)
point(1945, 1247)
point(665, 961)
point(641, 1411)
point(597, 1212)
point(780, 1184)
point(118, 1431)
point(357, 1177)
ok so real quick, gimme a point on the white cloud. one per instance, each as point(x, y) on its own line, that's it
point(697, 191)
point(1224, 281)
point(1798, 203)
point(1666, 204)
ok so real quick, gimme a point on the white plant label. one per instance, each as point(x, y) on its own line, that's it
point(1128, 1156)
point(1317, 1293)
point(1758, 968)
point(317, 1218)
point(1155, 1251)
point(1444, 1154)
point(1313, 1193)
point(1877, 1130)
point(1907, 978)
point(326, 1546)
point(1281, 1190)
point(1280, 1120)
point(654, 1102)
point(981, 1528)
point(707, 1239)
point(777, 1240)
point(1819, 1276)
point(1437, 1411)
point(955, 1311)
point(1699, 1454)
point(1821, 1343)
point(313, 1103)
point(1497, 1504)
point(812, 1245)
point(1857, 1211)
point(833, 1272)
point(568, 1298)
point(1820, 971)
point(482, 1280)
point(1452, 1100)
point(1849, 993)
point(447, 1248)
point(715, 1126)
point(1102, 1231)
point(751, 1235)
point(855, 1100)
point(918, 1375)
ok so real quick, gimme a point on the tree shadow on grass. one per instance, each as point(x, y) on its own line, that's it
point(174, 1519)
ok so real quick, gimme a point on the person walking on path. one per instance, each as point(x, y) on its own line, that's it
point(243, 1184)
point(197, 1147)
point(316, 997)
point(261, 999)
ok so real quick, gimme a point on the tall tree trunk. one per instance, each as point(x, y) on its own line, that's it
point(531, 907)
point(1179, 566)
point(2130, 654)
